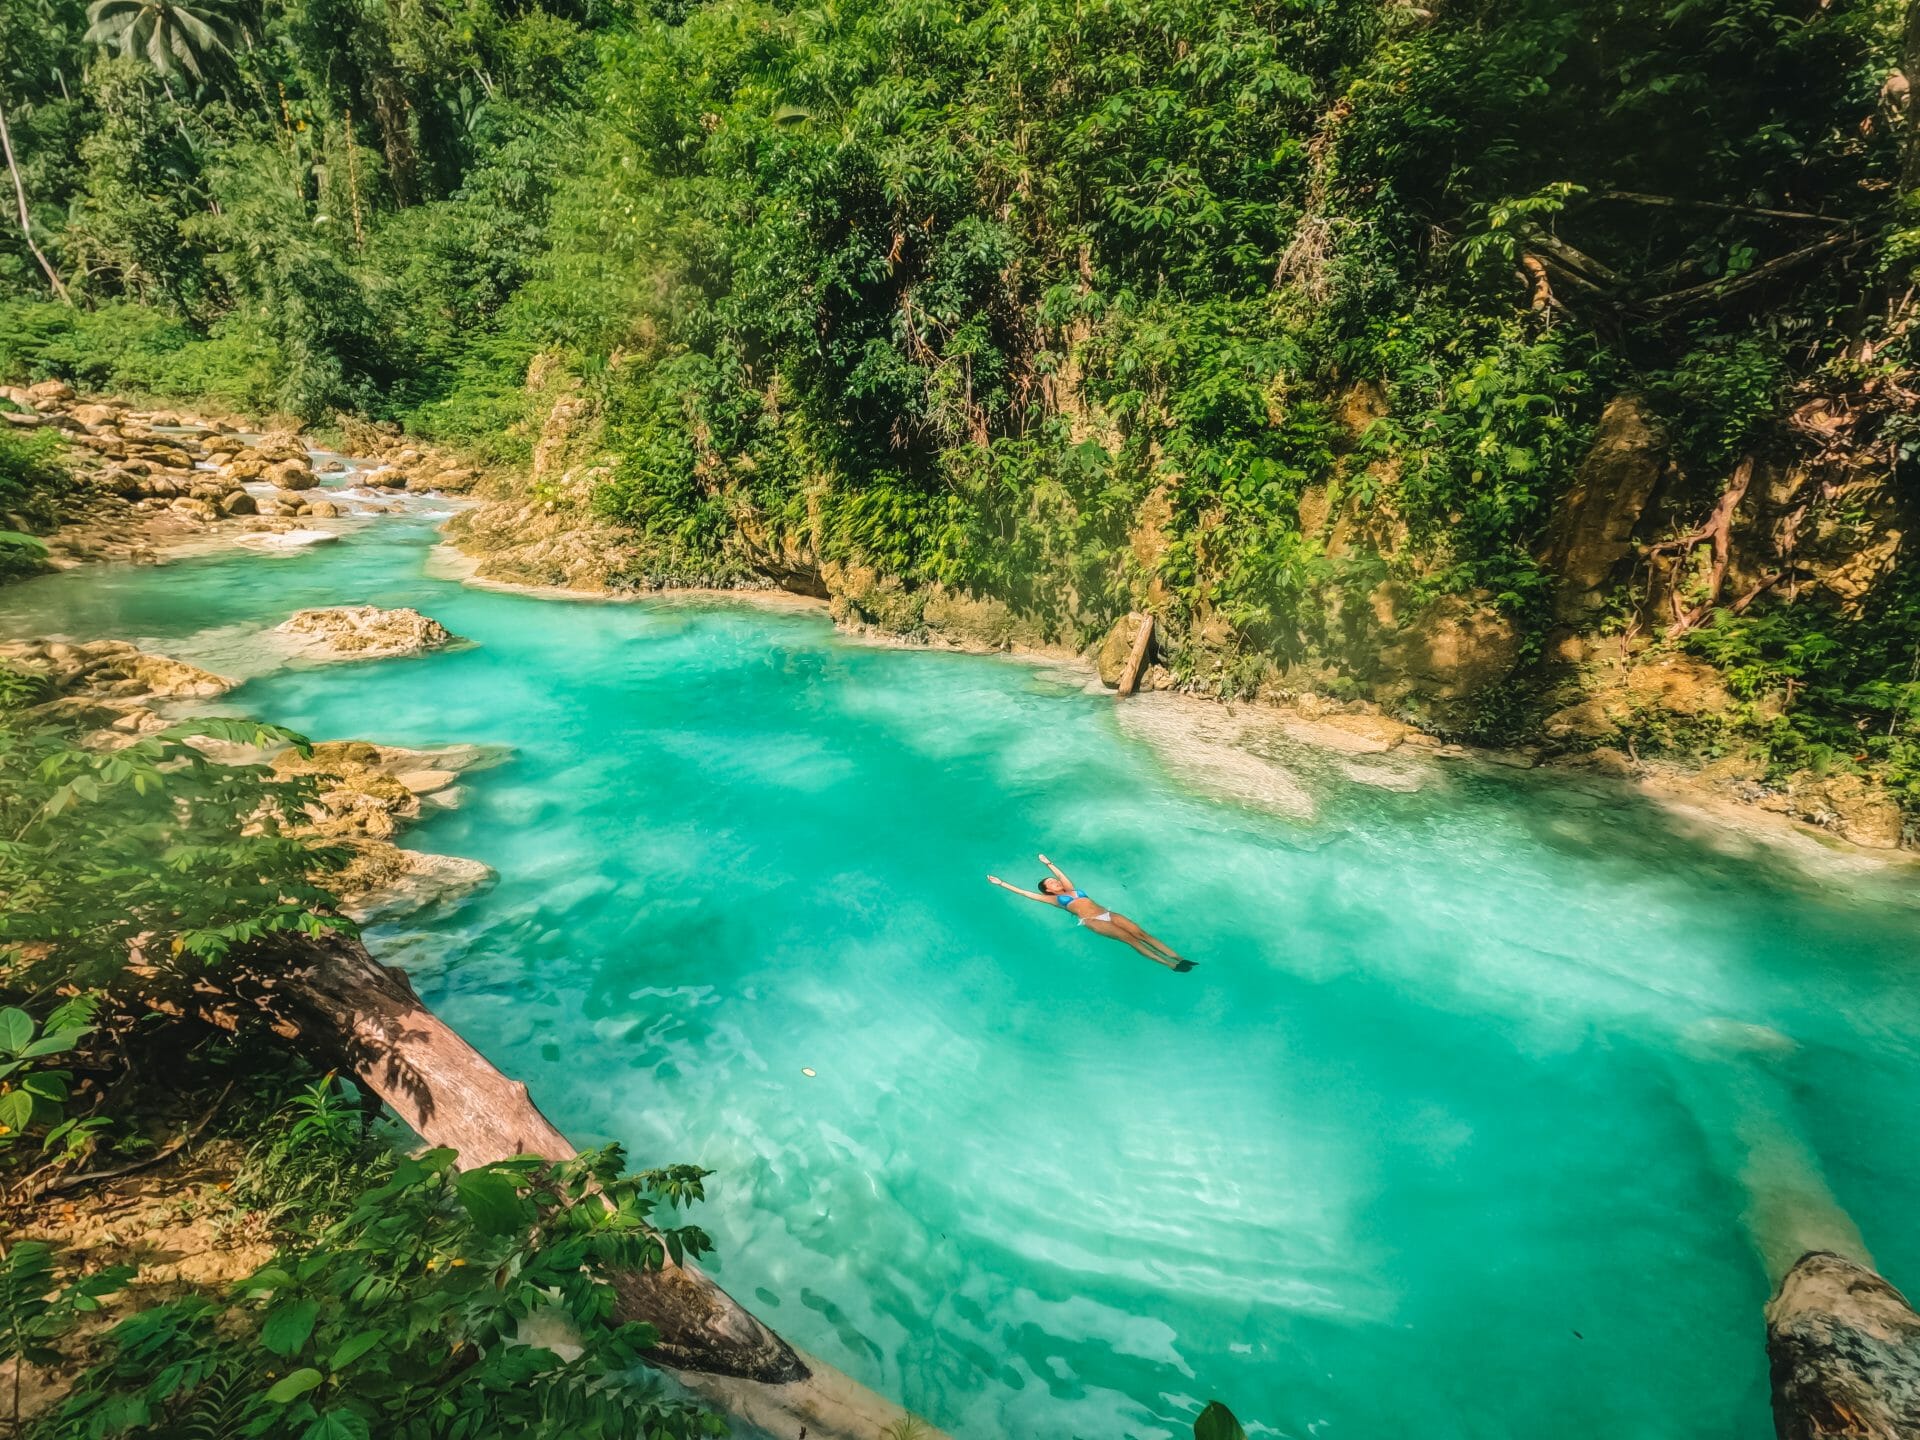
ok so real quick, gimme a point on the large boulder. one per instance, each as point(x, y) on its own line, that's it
point(1456, 647)
point(1592, 528)
point(1116, 648)
point(1851, 806)
point(49, 393)
point(281, 445)
point(447, 482)
point(94, 416)
point(364, 632)
point(291, 475)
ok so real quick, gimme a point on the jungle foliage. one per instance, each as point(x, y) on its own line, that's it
point(144, 887)
point(957, 291)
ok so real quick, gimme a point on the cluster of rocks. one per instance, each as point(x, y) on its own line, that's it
point(108, 685)
point(363, 632)
point(401, 464)
point(151, 477)
point(367, 795)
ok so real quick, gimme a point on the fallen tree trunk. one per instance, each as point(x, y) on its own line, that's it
point(453, 1096)
point(1844, 1353)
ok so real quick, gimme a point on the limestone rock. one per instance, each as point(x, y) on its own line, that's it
point(1352, 734)
point(1587, 720)
point(1608, 761)
point(278, 445)
point(238, 502)
point(1592, 529)
point(48, 393)
point(196, 509)
point(1457, 647)
point(1851, 806)
point(111, 670)
point(1116, 649)
point(386, 882)
point(426, 782)
point(977, 622)
point(1679, 685)
point(92, 416)
point(291, 475)
point(449, 482)
point(323, 509)
point(364, 632)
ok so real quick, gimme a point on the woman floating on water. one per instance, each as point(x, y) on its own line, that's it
point(1057, 889)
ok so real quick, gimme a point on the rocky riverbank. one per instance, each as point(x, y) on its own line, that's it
point(158, 482)
point(148, 483)
point(366, 795)
point(1602, 697)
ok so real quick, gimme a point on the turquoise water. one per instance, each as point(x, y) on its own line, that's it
point(1477, 1118)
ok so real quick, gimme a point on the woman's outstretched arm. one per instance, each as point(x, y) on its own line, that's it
point(1058, 873)
point(1026, 894)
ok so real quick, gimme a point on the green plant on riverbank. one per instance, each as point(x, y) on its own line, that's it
point(146, 892)
point(33, 484)
point(442, 1303)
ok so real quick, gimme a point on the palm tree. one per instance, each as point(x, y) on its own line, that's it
point(173, 36)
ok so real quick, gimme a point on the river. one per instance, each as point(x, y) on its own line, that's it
point(1487, 1106)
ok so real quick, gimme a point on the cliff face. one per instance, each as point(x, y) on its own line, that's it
point(1626, 657)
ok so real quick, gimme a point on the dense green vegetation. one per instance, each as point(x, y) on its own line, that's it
point(957, 293)
point(142, 890)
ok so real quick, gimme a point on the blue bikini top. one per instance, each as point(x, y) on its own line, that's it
point(1063, 901)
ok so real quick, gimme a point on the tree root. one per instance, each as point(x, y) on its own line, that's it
point(1717, 532)
point(67, 1184)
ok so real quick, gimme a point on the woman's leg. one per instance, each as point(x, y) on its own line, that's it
point(1114, 931)
point(1135, 933)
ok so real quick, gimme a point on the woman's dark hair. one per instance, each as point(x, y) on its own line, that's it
point(1046, 880)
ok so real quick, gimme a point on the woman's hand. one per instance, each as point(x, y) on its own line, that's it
point(996, 880)
point(1046, 862)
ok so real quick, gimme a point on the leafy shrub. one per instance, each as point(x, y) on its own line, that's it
point(444, 1303)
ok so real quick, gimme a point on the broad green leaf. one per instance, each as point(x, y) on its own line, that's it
point(293, 1387)
point(337, 1425)
point(288, 1326)
point(351, 1350)
point(16, 1110)
point(493, 1201)
point(1217, 1422)
point(16, 1030)
point(53, 1044)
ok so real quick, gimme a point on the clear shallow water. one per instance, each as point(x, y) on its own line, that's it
point(1457, 1130)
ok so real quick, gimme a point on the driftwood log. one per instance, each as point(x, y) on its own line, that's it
point(1137, 657)
point(1843, 1347)
point(452, 1095)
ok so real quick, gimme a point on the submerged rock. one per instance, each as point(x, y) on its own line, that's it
point(1844, 1347)
point(365, 632)
point(386, 882)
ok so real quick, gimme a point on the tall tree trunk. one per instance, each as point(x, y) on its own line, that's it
point(1910, 102)
point(26, 221)
point(448, 1092)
